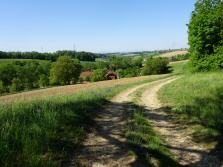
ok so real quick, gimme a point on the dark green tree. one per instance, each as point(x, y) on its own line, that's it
point(206, 33)
point(65, 71)
point(155, 66)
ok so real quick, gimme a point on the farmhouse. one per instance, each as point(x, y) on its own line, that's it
point(111, 75)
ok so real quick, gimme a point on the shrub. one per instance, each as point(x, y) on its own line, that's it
point(99, 75)
point(129, 72)
point(155, 66)
point(43, 81)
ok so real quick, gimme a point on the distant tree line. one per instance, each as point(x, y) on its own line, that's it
point(206, 35)
point(25, 75)
point(82, 56)
point(126, 67)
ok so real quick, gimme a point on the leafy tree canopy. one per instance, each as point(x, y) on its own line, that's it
point(65, 71)
point(206, 30)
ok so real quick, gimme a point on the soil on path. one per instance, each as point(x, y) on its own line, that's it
point(106, 145)
point(179, 139)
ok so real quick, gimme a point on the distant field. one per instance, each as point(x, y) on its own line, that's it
point(7, 61)
point(174, 53)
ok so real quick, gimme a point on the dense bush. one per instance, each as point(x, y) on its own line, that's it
point(99, 75)
point(65, 71)
point(20, 75)
point(155, 66)
point(206, 35)
point(129, 72)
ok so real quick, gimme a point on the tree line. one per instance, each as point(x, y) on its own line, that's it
point(25, 75)
point(82, 56)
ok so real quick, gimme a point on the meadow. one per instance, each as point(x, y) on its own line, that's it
point(195, 101)
point(199, 96)
point(44, 132)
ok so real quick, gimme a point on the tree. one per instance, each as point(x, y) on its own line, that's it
point(43, 80)
point(205, 31)
point(99, 75)
point(7, 73)
point(2, 88)
point(65, 71)
point(17, 85)
point(155, 66)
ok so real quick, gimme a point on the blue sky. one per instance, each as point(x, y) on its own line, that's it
point(94, 25)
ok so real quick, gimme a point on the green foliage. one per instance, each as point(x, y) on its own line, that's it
point(20, 75)
point(210, 63)
point(155, 66)
point(206, 34)
point(129, 72)
point(2, 88)
point(17, 85)
point(82, 56)
point(99, 75)
point(65, 71)
point(43, 80)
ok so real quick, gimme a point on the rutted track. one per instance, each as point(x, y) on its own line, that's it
point(177, 138)
point(106, 145)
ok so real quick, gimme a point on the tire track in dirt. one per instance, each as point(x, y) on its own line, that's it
point(178, 138)
point(106, 145)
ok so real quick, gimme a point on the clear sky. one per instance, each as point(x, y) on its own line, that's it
point(94, 25)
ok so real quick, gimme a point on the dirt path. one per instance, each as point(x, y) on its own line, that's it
point(178, 138)
point(106, 145)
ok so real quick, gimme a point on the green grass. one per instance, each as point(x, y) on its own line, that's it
point(44, 132)
point(197, 95)
point(145, 143)
point(180, 67)
point(148, 147)
point(197, 99)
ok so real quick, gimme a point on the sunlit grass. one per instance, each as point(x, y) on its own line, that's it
point(43, 132)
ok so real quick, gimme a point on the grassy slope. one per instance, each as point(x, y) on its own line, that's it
point(181, 67)
point(43, 132)
point(173, 53)
point(197, 100)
